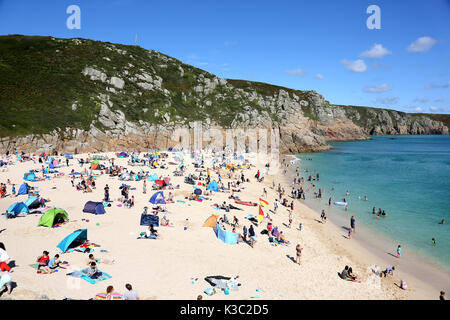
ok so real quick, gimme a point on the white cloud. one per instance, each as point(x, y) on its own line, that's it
point(297, 72)
point(319, 76)
point(421, 100)
point(439, 100)
point(388, 100)
point(355, 66)
point(377, 51)
point(416, 109)
point(421, 44)
point(432, 85)
point(438, 109)
point(377, 89)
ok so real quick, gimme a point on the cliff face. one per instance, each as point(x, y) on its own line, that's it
point(80, 95)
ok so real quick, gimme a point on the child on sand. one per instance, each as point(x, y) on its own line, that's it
point(399, 251)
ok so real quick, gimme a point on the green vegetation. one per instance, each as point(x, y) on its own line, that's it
point(42, 88)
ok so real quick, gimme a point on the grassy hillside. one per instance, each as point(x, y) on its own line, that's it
point(42, 88)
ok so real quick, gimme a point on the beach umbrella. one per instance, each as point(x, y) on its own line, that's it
point(198, 191)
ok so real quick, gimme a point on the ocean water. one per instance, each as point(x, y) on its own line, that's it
point(408, 177)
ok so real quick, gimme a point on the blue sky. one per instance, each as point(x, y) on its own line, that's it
point(307, 45)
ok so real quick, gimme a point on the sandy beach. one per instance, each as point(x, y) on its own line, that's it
point(167, 268)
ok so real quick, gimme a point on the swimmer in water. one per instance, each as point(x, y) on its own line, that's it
point(365, 198)
point(443, 221)
point(433, 241)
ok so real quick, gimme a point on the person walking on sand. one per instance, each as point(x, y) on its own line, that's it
point(252, 235)
point(352, 223)
point(298, 250)
point(290, 219)
point(399, 251)
point(144, 188)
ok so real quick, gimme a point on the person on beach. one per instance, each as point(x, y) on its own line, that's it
point(4, 257)
point(290, 219)
point(144, 187)
point(344, 273)
point(151, 232)
point(252, 235)
point(352, 276)
point(323, 216)
point(350, 230)
point(43, 263)
point(352, 223)
point(244, 233)
point(300, 227)
point(442, 296)
point(403, 285)
point(130, 294)
point(298, 250)
point(389, 270)
point(5, 282)
point(106, 193)
point(329, 202)
point(55, 263)
point(92, 271)
point(399, 251)
point(109, 292)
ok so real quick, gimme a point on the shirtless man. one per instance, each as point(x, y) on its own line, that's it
point(298, 249)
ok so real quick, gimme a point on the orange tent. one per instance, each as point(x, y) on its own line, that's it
point(211, 221)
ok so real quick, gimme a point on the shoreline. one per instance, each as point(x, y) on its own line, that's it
point(372, 247)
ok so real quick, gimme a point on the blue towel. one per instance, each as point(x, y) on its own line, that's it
point(104, 276)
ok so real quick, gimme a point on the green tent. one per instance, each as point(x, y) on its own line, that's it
point(52, 216)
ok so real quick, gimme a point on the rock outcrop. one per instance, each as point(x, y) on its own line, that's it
point(84, 95)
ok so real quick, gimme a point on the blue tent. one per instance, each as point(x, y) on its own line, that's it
point(153, 177)
point(94, 207)
point(212, 186)
point(30, 200)
point(29, 176)
point(23, 189)
point(226, 236)
point(33, 202)
point(158, 197)
point(73, 240)
point(17, 208)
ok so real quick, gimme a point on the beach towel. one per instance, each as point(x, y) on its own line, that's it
point(104, 276)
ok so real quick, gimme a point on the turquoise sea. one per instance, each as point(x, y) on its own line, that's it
point(407, 176)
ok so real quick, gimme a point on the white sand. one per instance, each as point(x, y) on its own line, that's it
point(163, 268)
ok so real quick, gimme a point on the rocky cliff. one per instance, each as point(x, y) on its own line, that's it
point(79, 95)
